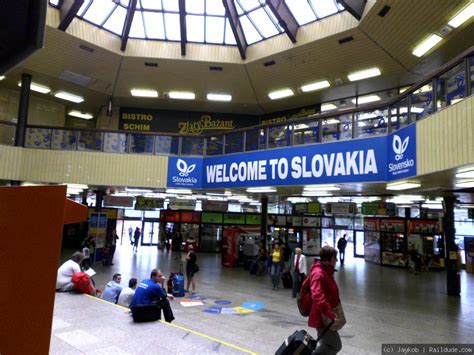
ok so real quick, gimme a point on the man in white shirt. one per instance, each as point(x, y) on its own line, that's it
point(66, 270)
point(125, 297)
point(300, 271)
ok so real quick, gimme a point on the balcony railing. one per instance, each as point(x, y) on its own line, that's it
point(448, 85)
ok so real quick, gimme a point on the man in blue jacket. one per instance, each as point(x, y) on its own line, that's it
point(113, 289)
point(150, 292)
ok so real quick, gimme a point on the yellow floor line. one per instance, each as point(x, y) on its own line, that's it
point(182, 328)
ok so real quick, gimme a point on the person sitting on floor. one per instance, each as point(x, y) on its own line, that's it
point(65, 272)
point(113, 289)
point(150, 292)
point(125, 297)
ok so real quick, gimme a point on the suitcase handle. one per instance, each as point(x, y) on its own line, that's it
point(324, 331)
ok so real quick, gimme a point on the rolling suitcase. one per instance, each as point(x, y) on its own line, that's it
point(300, 342)
point(287, 280)
point(178, 285)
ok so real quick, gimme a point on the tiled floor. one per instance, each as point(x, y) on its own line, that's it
point(382, 305)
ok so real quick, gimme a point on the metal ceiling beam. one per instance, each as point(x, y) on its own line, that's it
point(128, 24)
point(67, 11)
point(182, 25)
point(354, 7)
point(285, 18)
point(231, 12)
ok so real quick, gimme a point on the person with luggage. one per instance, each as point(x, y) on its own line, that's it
point(277, 257)
point(191, 267)
point(66, 270)
point(326, 305)
point(299, 271)
point(151, 293)
point(341, 246)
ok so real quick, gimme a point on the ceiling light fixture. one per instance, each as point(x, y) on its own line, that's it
point(466, 183)
point(297, 199)
point(2, 77)
point(366, 99)
point(179, 191)
point(219, 97)
point(364, 74)
point(279, 94)
point(315, 86)
point(404, 185)
point(144, 93)
point(69, 97)
point(83, 115)
point(38, 88)
point(77, 186)
point(182, 95)
point(328, 107)
point(315, 194)
point(322, 188)
point(261, 189)
point(462, 16)
point(466, 174)
point(426, 45)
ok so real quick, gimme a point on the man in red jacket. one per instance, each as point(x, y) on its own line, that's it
point(325, 296)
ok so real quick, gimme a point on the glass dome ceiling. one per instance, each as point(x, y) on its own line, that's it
point(206, 20)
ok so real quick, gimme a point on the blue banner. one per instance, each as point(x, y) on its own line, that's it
point(376, 159)
point(402, 153)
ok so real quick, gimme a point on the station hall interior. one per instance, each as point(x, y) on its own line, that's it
point(237, 123)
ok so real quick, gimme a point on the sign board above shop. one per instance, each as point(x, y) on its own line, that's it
point(377, 159)
point(182, 205)
point(148, 203)
point(118, 201)
point(183, 122)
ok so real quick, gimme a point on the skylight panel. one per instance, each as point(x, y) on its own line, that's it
point(215, 7)
point(54, 2)
point(265, 26)
point(195, 26)
point(324, 8)
point(301, 11)
point(171, 5)
point(215, 29)
point(195, 7)
point(229, 35)
point(98, 11)
point(240, 10)
point(172, 28)
point(83, 8)
point(154, 25)
point(137, 30)
point(125, 2)
point(248, 5)
point(116, 20)
point(151, 4)
point(251, 34)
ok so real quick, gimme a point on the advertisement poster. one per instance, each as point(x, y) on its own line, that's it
point(98, 228)
point(311, 241)
point(372, 247)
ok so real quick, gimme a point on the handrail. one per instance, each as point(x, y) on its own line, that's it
point(318, 117)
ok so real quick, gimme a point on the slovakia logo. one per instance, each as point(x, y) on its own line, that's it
point(398, 147)
point(184, 169)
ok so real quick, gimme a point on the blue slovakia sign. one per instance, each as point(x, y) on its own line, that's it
point(376, 159)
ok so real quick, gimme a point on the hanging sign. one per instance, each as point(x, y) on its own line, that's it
point(341, 208)
point(182, 205)
point(118, 201)
point(148, 203)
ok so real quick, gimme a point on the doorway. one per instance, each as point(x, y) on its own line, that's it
point(150, 233)
point(359, 244)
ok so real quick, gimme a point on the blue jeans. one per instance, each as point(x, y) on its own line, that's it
point(275, 272)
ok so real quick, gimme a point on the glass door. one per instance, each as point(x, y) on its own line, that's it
point(359, 244)
point(150, 233)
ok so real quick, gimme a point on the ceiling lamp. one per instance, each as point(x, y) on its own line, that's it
point(426, 45)
point(315, 194)
point(261, 189)
point(179, 191)
point(182, 95)
point(328, 107)
point(404, 185)
point(144, 93)
point(279, 94)
point(219, 97)
point(462, 17)
point(364, 74)
point(466, 183)
point(366, 99)
point(2, 77)
point(69, 97)
point(322, 188)
point(315, 86)
point(297, 199)
point(466, 174)
point(38, 88)
point(83, 115)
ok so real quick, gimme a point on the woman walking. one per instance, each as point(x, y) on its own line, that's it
point(277, 258)
point(191, 267)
